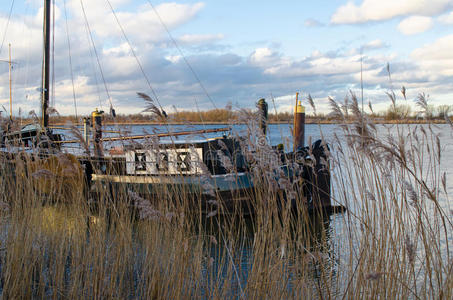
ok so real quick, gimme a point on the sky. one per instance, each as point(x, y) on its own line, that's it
point(199, 55)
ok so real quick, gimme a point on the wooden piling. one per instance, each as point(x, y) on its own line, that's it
point(299, 124)
point(96, 122)
point(262, 114)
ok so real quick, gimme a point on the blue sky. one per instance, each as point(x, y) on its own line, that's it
point(240, 50)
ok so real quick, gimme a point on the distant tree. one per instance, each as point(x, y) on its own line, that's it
point(444, 110)
point(398, 111)
point(430, 112)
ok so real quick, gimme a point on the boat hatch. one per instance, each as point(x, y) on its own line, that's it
point(182, 161)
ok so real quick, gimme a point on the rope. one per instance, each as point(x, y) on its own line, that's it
point(7, 24)
point(93, 69)
point(182, 54)
point(27, 65)
point(96, 53)
point(70, 60)
point(134, 54)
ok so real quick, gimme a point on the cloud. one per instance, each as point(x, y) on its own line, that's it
point(374, 45)
point(264, 57)
point(332, 63)
point(313, 23)
point(415, 24)
point(446, 18)
point(190, 39)
point(380, 10)
point(173, 58)
point(144, 25)
point(436, 57)
point(119, 50)
point(121, 72)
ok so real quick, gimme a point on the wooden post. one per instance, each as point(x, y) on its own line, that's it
point(86, 130)
point(320, 177)
point(262, 114)
point(96, 123)
point(299, 124)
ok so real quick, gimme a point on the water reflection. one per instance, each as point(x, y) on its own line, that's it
point(305, 256)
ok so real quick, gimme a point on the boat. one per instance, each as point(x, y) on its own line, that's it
point(223, 171)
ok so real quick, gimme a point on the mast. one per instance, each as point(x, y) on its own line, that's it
point(45, 66)
point(10, 87)
point(10, 63)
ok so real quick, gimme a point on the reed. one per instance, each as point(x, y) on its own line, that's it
point(393, 242)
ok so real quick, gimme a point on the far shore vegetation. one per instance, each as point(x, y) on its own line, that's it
point(398, 113)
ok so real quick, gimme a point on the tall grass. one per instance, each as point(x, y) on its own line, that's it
point(393, 242)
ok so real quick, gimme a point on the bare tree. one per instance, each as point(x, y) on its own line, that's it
point(444, 110)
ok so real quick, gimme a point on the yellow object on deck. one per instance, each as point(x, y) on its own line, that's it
point(96, 113)
point(96, 117)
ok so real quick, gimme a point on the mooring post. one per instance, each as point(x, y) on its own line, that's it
point(320, 176)
point(96, 122)
point(262, 114)
point(299, 124)
point(86, 130)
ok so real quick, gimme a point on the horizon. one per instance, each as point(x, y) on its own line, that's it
point(239, 53)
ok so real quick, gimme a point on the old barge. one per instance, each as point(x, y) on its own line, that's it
point(227, 169)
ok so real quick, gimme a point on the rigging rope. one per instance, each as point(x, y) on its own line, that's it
point(96, 53)
point(141, 66)
point(70, 60)
point(182, 54)
point(7, 24)
point(27, 65)
point(93, 69)
point(134, 54)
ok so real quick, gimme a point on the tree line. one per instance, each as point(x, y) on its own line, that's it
point(227, 115)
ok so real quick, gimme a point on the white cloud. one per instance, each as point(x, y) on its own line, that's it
point(415, 24)
point(173, 58)
point(379, 10)
point(436, 58)
point(316, 53)
point(263, 56)
point(317, 64)
point(446, 18)
point(122, 49)
point(337, 65)
point(373, 45)
point(200, 38)
point(143, 25)
point(440, 49)
point(313, 23)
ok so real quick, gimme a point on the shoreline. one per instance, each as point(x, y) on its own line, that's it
point(388, 122)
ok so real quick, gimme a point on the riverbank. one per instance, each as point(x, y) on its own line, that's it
point(308, 121)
